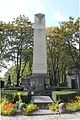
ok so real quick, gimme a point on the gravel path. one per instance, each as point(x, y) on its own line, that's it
point(67, 116)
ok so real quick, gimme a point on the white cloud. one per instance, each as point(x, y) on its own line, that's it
point(59, 16)
point(10, 9)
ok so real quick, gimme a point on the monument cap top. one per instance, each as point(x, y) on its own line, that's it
point(39, 21)
point(40, 16)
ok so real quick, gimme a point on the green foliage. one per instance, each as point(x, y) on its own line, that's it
point(17, 44)
point(26, 98)
point(14, 88)
point(12, 72)
point(4, 101)
point(3, 44)
point(54, 107)
point(73, 104)
point(9, 95)
point(61, 49)
point(63, 84)
point(30, 108)
point(14, 95)
point(63, 95)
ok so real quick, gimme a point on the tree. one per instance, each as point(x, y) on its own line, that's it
point(54, 49)
point(61, 48)
point(12, 72)
point(70, 31)
point(3, 44)
point(19, 43)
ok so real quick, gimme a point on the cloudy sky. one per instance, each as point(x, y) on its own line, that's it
point(55, 10)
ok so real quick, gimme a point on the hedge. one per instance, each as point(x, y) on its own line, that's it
point(63, 95)
point(14, 88)
point(13, 95)
point(58, 88)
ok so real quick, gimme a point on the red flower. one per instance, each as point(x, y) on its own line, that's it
point(8, 105)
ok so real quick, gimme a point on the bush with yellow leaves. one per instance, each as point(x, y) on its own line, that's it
point(54, 107)
point(74, 104)
point(30, 108)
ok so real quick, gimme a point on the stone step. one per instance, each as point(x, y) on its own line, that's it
point(44, 112)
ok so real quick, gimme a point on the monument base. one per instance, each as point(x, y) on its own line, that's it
point(41, 101)
point(39, 84)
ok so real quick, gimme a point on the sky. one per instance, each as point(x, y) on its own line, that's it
point(55, 11)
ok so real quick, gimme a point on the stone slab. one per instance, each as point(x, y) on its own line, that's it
point(41, 99)
point(44, 112)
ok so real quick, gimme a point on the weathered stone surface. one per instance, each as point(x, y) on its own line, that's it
point(39, 52)
point(39, 84)
point(41, 99)
point(39, 79)
point(62, 108)
point(45, 115)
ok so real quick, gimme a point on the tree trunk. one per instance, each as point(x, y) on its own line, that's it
point(79, 50)
point(17, 71)
point(17, 68)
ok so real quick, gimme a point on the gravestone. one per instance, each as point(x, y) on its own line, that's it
point(39, 79)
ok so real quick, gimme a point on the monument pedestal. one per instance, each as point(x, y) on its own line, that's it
point(41, 101)
point(39, 83)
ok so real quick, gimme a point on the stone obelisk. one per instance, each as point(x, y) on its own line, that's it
point(39, 78)
point(39, 53)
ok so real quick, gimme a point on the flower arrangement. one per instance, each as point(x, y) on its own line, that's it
point(7, 109)
point(30, 108)
point(53, 107)
point(73, 104)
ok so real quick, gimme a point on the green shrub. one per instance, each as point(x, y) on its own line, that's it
point(14, 88)
point(63, 95)
point(14, 95)
point(30, 108)
point(54, 107)
point(26, 98)
point(11, 95)
point(3, 101)
point(60, 88)
point(73, 104)
point(63, 84)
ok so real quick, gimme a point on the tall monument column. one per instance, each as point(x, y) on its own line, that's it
point(39, 53)
point(39, 79)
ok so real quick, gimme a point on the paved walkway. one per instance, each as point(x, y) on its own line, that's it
point(67, 116)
